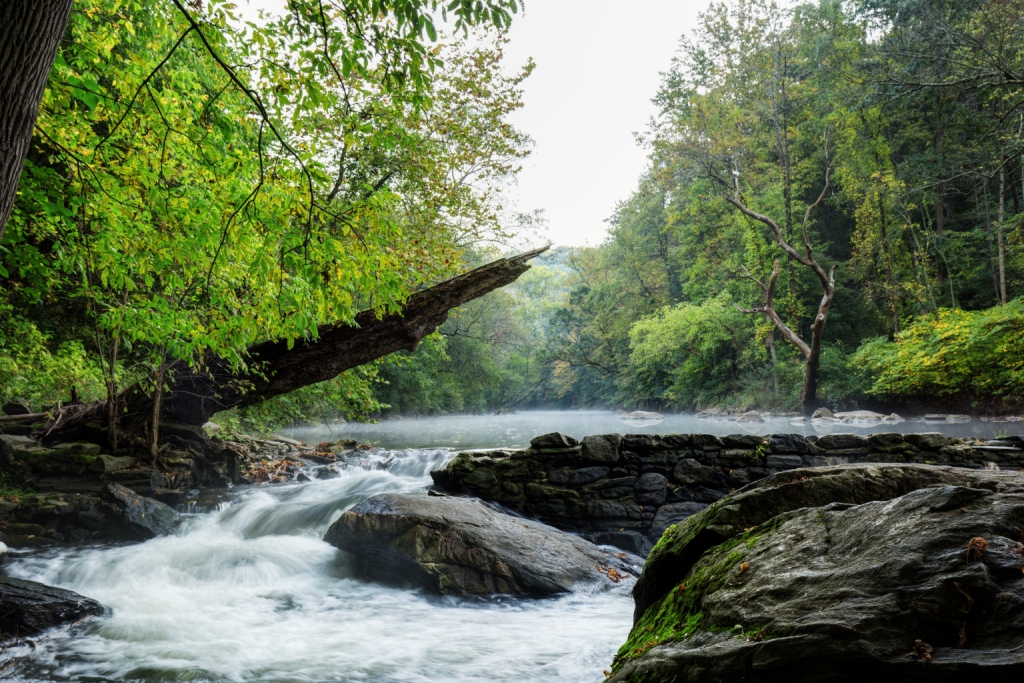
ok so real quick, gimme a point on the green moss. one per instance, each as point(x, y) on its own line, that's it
point(679, 614)
point(679, 535)
point(14, 487)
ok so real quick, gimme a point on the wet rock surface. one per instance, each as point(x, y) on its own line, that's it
point(114, 513)
point(79, 493)
point(614, 489)
point(460, 546)
point(850, 573)
point(140, 516)
point(28, 608)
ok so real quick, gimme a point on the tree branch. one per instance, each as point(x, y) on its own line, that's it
point(769, 310)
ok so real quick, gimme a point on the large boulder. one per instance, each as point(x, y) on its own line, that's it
point(882, 573)
point(28, 608)
point(682, 545)
point(460, 546)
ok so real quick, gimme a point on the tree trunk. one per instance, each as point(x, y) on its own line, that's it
point(991, 250)
point(940, 209)
point(809, 396)
point(157, 399)
point(192, 397)
point(999, 232)
point(30, 31)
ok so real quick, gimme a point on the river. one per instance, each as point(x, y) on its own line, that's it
point(248, 591)
point(514, 430)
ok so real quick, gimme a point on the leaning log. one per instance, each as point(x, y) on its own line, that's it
point(194, 396)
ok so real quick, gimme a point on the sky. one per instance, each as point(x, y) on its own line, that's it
point(598, 66)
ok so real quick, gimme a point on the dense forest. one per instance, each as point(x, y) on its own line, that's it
point(831, 215)
point(881, 139)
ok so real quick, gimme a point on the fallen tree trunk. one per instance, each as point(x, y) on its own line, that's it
point(194, 396)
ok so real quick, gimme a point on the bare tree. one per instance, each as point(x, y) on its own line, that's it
point(812, 351)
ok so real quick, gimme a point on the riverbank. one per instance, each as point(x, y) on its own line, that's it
point(246, 563)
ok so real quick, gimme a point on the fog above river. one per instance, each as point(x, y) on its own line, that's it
point(514, 430)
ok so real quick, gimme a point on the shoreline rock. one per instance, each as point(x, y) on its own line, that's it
point(895, 572)
point(28, 608)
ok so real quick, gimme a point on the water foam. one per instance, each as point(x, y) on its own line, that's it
point(249, 592)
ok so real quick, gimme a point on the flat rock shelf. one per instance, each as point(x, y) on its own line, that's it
point(627, 490)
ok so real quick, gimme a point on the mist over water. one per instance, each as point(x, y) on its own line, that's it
point(514, 430)
point(249, 592)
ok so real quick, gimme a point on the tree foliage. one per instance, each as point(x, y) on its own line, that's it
point(199, 183)
point(916, 107)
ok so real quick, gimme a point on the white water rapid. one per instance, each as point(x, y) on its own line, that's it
point(250, 592)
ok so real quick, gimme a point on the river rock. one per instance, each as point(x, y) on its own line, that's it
point(16, 408)
point(682, 545)
point(554, 440)
point(751, 416)
point(28, 608)
point(459, 546)
point(602, 448)
point(140, 516)
point(788, 443)
point(895, 572)
point(860, 415)
point(9, 443)
point(841, 441)
point(106, 464)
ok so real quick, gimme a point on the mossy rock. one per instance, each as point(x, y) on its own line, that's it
point(847, 592)
point(682, 545)
point(679, 613)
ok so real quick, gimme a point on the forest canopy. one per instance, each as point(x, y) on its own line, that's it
point(199, 181)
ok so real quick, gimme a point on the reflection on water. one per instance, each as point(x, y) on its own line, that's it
point(250, 593)
point(516, 429)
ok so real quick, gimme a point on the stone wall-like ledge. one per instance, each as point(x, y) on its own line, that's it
point(626, 490)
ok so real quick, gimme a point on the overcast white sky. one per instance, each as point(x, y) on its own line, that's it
point(598, 66)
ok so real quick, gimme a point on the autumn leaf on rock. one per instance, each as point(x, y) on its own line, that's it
point(975, 547)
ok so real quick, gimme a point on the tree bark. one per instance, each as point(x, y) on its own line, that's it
point(30, 31)
point(940, 209)
point(193, 396)
point(999, 231)
point(157, 399)
point(890, 285)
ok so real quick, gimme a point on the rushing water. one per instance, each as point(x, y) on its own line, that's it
point(250, 592)
point(516, 429)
